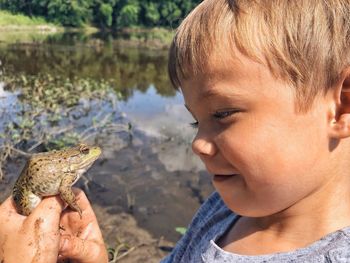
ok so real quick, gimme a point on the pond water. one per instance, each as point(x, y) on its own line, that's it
point(147, 170)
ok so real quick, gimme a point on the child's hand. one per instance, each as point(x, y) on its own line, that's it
point(81, 239)
point(35, 238)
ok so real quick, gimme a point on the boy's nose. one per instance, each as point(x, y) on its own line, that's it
point(203, 147)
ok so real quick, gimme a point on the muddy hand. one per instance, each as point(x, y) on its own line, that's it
point(34, 238)
point(81, 238)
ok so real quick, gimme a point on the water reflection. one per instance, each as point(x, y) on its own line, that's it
point(76, 55)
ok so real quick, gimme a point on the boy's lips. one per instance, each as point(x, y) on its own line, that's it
point(222, 177)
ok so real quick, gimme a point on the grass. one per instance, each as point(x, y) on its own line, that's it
point(9, 19)
point(16, 28)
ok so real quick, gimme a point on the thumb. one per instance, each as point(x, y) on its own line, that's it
point(79, 249)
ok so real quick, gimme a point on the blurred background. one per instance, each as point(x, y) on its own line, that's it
point(95, 71)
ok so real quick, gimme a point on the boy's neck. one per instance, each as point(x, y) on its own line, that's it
point(317, 215)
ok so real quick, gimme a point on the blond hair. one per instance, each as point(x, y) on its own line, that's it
point(304, 42)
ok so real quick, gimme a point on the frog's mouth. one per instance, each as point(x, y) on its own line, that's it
point(83, 169)
point(84, 166)
point(87, 162)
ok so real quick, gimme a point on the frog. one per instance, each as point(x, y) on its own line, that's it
point(53, 173)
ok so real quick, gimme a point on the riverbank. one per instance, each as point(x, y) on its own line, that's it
point(37, 29)
point(153, 39)
point(18, 22)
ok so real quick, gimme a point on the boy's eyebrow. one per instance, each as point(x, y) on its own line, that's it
point(213, 93)
point(208, 94)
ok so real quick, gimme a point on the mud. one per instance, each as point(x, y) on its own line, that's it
point(37, 238)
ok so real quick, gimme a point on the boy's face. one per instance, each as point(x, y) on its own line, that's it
point(263, 154)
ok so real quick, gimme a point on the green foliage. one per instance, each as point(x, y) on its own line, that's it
point(112, 14)
point(51, 111)
point(128, 15)
point(16, 6)
point(70, 13)
point(181, 230)
point(7, 18)
point(106, 12)
point(170, 12)
point(152, 14)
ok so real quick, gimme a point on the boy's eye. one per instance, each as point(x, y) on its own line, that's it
point(224, 114)
point(217, 115)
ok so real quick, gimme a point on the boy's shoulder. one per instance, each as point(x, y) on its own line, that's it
point(213, 207)
point(211, 221)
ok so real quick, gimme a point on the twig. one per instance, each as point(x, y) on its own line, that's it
point(101, 124)
point(1, 172)
point(62, 130)
point(112, 127)
point(131, 249)
point(6, 153)
point(40, 141)
point(20, 152)
point(124, 254)
point(35, 145)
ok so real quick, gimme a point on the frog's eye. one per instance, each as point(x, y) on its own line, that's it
point(84, 149)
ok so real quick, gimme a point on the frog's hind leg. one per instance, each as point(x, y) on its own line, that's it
point(25, 201)
point(67, 194)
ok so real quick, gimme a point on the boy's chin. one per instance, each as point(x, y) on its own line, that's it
point(248, 208)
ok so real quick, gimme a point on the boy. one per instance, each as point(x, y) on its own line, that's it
point(268, 83)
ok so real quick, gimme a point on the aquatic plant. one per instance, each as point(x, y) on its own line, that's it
point(53, 112)
point(181, 230)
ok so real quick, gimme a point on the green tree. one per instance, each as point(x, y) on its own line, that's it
point(151, 13)
point(15, 6)
point(129, 14)
point(105, 13)
point(70, 12)
point(170, 13)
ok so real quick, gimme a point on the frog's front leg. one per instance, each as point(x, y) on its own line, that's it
point(67, 194)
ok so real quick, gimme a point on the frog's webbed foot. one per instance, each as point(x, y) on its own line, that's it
point(68, 196)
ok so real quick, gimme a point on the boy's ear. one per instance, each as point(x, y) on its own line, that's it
point(340, 125)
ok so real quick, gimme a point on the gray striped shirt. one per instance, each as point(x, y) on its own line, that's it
point(214, 218)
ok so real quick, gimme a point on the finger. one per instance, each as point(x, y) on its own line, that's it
point(82, 250)
point(47, 212)
point(85, 206)
point(82, 199)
